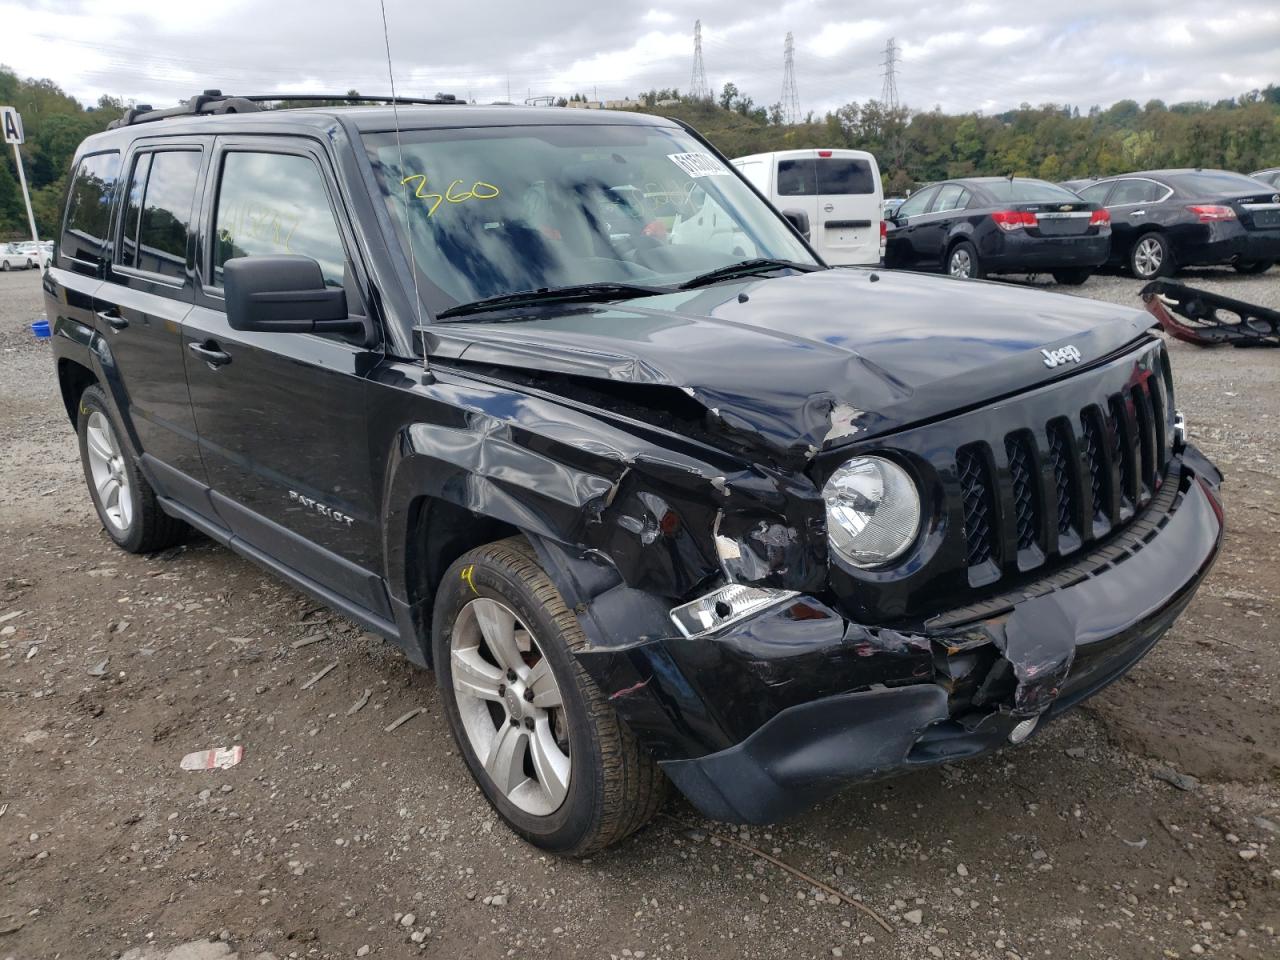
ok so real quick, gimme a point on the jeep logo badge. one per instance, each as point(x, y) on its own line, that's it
point(1055, 358)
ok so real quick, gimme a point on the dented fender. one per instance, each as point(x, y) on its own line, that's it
point(644, 504)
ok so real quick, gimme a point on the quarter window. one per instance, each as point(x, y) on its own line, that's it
point(157, 219)
point(275, 203)
point(88, 221)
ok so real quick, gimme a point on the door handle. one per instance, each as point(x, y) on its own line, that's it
point(209, 353)
point(111, 317)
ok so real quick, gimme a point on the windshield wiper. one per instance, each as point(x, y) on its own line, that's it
point(746, 268)
point(581, 293)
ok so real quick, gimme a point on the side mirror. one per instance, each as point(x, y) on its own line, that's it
point(284, 294)
point(798, 219)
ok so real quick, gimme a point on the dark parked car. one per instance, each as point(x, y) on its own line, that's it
point(1165, 219)
point(651, 511)
point(982, 225)
point(1269, 176)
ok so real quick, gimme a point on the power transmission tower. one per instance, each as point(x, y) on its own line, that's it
point(790, 96)
point(698, 88)
point(889, 92)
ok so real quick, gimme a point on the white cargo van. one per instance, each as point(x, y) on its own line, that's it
point(837, 191)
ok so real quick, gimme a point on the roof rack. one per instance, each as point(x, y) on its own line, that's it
point(214, 102)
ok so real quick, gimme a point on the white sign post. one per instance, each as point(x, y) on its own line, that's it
point(11, 126)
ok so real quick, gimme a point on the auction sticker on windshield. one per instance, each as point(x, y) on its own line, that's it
point(698, 164)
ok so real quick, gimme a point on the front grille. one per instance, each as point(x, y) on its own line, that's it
point(1026, 496)
point(979, 507)
point(1074, 477)
point(1065, 475)
point(1094, 449)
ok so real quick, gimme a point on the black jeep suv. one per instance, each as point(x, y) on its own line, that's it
point(703, 513)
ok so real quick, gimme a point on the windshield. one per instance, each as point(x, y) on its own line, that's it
point(1028, 191)
point(502, 210)
point(1210, 182)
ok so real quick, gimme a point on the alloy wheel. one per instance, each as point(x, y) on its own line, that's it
point(110, 478)
point(510, 706)
point(961, 264)
point(1148, 256)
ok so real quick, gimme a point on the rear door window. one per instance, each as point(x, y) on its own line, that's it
point(275, 203)
point(157, 219)
point(1136, 191)
point(88, 219)
point(843, 176)
point(797, 178)
point(951, 196)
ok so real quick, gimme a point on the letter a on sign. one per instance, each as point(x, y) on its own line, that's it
point(11, 124)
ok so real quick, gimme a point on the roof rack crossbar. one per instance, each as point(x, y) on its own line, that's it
point(214, 102)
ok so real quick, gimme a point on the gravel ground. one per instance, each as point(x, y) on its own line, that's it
point(1141, 826)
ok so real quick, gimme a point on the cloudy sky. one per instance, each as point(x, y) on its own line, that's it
point(961, 56)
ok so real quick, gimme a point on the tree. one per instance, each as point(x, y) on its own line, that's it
point(728, 95)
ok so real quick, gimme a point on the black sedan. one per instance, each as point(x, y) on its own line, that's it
point(1165, 219)
point(982, 225)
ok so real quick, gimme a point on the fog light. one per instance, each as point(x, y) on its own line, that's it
point(1023, 730)
point(729, 604)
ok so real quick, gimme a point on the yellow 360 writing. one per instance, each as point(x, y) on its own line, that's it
point(479, 191)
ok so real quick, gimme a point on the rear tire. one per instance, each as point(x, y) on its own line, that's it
point(1072, 277)
point(4, 265)
point(1253, 267)
point(1152, 257)
point(497, 614)
point(963, 262)
point(125, 502)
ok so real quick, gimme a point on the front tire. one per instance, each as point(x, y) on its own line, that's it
point(1253, 267)
point(1151, 257)
point(538, 735)
point(125, 502)
point(963, 262)
point(1072, 277)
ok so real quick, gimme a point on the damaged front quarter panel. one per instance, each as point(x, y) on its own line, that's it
point(654, 504)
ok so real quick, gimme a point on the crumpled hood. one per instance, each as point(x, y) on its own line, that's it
point(807, 361)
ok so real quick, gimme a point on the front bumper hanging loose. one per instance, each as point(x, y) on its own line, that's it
point(760, 720)
point(1209, 319)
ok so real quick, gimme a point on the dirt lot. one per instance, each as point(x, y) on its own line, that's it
point(335, 838)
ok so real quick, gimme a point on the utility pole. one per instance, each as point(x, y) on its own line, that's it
point(889, 92)
point(790, 95)
point(698, 88)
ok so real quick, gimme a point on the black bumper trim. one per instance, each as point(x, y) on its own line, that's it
point(808, 752)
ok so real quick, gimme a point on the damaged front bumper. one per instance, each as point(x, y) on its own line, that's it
point(773, 713)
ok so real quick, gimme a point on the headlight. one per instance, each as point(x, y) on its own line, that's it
point(873, 511)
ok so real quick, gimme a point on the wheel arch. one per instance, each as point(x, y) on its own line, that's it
point(73, 379)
